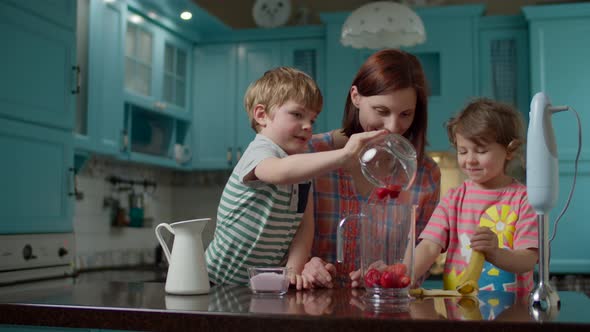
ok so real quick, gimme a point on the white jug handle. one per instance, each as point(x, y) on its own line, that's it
point(161, 240)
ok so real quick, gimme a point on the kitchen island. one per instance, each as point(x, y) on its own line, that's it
point(144, 306)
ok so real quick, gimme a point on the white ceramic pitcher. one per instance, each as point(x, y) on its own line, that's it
point(187, 270)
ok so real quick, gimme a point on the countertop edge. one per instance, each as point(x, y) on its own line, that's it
point(156, 320)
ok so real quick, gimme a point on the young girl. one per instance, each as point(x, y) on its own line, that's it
point(489, 212)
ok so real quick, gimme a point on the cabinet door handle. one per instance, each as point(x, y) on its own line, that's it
point(228, 156)
point(239, 154)
point(78, 194)
point(125, 140)
point(76, 71)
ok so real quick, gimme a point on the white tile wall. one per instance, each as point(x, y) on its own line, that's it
point(177, 197)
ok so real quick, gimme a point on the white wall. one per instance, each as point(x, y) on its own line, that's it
point(178, 196)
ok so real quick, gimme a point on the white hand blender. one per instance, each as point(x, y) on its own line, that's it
point(542, 187)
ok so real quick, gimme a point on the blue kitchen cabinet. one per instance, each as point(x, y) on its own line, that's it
point(157, 111)
point(254, 58)
point(214, 105)
point(504, 60)
point(157, 64)
point(37, 64)
point(36, 119)
point(60, 12)
point(560, 67)
point(37, 179)
point(99, 114)
point(449, 64)
point(234, 65)
point(309, 56)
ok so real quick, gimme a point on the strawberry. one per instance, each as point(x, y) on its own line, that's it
point(394, 190)
point(404, 281)
point(399, 269)
point(381, 192)
point(372, 278)
point(388, 280)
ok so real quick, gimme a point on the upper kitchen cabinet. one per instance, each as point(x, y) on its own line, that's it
point(99, 112)
point(214, 105)
point(38, 64)
point(256, 57)
point(232, 62)
point(504, 60)
point(61, 12)
point(560, 67)
point(157, 64)
point(448, 57)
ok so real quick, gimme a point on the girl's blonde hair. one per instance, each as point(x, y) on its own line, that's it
point(278, 86)
point(485, 121)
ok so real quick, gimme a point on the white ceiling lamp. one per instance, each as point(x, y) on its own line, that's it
point(383, 24)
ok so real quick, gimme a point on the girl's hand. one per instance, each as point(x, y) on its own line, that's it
point(486, 242)
point(318, 273)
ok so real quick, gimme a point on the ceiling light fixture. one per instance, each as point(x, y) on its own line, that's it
point(383, 24)
point(186, 15)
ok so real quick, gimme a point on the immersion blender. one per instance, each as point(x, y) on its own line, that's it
point(542, 188)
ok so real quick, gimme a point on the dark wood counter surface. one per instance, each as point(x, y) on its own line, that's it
point(144, 306)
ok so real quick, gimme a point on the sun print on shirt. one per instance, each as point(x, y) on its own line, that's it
point(501, 220)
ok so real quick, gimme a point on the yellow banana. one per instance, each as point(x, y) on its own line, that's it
point(470, 278)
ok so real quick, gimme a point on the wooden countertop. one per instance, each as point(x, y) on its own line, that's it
point(145, 306)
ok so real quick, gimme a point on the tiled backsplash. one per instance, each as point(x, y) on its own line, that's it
point(178, 196)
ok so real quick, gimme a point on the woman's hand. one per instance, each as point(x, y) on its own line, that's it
point(486, 242)
point(318, 273)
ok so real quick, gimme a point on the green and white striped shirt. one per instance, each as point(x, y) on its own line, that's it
point(256, 221)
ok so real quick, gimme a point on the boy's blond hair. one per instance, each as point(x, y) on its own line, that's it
point(278, 86)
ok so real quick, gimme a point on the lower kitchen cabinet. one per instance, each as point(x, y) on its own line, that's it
point(37, 179)
point(560, 67)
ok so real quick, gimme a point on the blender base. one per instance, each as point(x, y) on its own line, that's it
point(544, 303)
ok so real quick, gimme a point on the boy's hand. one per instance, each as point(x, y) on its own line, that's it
point(318, 273)
point(355, 277)
point(299, 281)
point(486, 242)
point(357, 141)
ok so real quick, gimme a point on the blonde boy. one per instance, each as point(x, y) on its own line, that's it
point(264, 216)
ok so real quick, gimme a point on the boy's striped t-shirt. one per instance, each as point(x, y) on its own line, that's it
point(256, 221)
point(506, 211)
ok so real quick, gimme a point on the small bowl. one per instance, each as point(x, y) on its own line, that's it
point(269, 280)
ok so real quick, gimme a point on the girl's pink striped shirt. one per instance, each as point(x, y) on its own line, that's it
point(459, 213)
